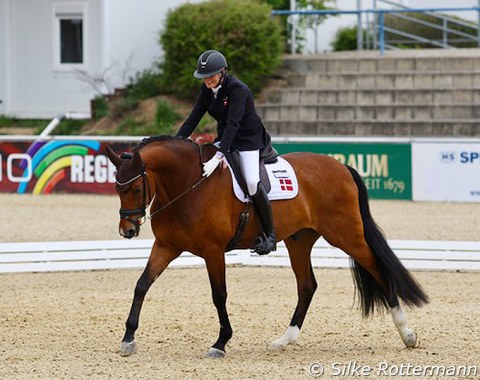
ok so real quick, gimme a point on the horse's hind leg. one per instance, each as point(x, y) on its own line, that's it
point(299, 251)
point(408, 335)
point(159, 259)
point(362, 254)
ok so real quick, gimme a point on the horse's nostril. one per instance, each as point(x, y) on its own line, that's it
point(130, 233)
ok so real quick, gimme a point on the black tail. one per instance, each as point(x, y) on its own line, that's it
point(400, 281)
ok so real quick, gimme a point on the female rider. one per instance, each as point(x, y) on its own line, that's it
point(230, 102)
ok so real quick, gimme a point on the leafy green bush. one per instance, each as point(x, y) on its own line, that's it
point(165, 114)
point(241, 29)
point(346, 39)
point(145, 84)
point(99, 107)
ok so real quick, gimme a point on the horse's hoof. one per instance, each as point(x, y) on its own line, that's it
point(276, 345)
point(410, 339)
point(215, 353)
point(128, 348)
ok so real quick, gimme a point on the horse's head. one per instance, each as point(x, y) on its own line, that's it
point(133, 188)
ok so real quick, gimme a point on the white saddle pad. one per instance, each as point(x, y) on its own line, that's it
point(282, 179)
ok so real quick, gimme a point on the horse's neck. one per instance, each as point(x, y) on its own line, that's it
point(174, 165)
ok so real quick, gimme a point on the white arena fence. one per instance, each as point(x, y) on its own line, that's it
point(131, 254)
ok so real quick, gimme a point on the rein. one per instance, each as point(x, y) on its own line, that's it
point(194, 186)
point(176, 198)
point(126, 213)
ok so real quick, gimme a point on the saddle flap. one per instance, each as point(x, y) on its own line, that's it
point(281, 178)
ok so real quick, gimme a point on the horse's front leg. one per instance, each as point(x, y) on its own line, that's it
point(159, 259)
point(216, 274)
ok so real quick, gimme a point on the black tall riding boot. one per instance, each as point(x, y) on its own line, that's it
point(268, 241)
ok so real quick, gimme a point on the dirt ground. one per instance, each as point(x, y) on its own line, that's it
point(70, 325)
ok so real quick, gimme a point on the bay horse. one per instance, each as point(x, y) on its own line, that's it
point(200, 215)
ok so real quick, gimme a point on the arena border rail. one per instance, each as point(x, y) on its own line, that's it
point(119, 254)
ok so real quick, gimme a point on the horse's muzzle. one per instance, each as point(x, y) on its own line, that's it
point(128, 229)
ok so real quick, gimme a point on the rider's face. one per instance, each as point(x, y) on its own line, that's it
point(213, 81)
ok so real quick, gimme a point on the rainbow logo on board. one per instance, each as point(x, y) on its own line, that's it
point(50, 161)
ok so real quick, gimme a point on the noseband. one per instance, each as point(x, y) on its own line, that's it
point(126, 213)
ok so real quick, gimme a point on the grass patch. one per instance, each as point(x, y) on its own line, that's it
point(65, 128)
point(8, 122)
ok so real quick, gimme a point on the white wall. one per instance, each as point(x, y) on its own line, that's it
point(132, 34)
point(121, 39)
point(37, 88)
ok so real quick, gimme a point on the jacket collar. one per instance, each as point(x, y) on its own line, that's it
point(222, 88)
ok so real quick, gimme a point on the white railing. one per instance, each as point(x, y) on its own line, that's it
point(122, 254)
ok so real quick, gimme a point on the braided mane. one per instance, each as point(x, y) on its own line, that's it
point(151, 139)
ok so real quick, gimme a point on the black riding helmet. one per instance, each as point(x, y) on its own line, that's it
point(209, 63)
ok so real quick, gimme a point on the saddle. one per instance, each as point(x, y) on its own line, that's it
point(268, 155)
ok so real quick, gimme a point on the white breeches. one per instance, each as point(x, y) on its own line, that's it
point(250, 165)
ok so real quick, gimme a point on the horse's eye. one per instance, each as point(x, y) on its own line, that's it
point(137, 189)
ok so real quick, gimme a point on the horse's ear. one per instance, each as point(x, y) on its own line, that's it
point(115, 158)
point(136, 159)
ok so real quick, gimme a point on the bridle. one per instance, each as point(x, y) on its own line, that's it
point(126, 213)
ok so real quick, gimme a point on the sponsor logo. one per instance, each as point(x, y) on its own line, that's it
point(367, 165)
point(281, 173)
point(449, 157)
point(469, 157)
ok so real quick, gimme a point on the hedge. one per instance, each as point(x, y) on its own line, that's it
point(242, 30)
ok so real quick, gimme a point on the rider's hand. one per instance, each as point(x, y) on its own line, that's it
point(211, 165)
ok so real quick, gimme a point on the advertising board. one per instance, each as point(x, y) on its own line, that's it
point(419, 170)
point(77, 165)
point(385, 167)
point(446, 172)
point(43, 167)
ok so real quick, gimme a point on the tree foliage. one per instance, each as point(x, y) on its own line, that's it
point(304, 22)
point(242, 30)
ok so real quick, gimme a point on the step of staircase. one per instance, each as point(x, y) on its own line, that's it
point(301, 95)
point(387, 80)
point(399, 128)
point(418, 60)
point(384, 112)
point(428, 92)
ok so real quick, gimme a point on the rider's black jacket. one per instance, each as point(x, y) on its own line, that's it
point(238, 125)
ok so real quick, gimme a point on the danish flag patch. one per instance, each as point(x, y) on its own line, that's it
point(286, 181)
point(286, 184)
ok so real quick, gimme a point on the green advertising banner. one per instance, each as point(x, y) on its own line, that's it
point(385, 168)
